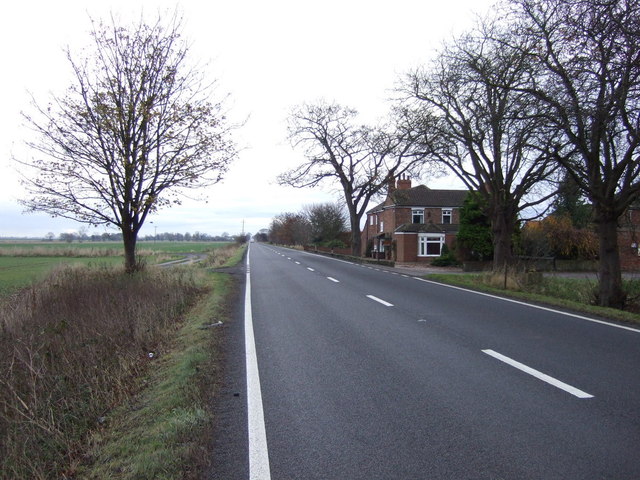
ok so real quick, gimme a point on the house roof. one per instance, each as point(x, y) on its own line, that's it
point(422, 196)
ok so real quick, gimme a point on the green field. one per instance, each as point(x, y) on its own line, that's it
point(22, 263)
point(19, 272)
point(28, 248)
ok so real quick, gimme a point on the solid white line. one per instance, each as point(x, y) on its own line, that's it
point(333, 279)
point(539, 375)
point(546, 309)
point(258, 451)
point(379, 300)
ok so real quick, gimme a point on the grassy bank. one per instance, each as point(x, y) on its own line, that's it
point(568, 293)
point(106, 375)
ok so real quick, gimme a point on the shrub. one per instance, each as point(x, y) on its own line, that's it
point(446, 258)
point(70, 349)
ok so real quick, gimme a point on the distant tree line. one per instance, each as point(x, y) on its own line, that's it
point(82, 236)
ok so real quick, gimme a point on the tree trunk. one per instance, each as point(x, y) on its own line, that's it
point(130, 239)
point(355, 238)
point(610, 291)
point(502, 229)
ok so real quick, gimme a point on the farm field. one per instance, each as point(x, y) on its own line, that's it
point(28, 248)
point(22, 263)
point(19, 272)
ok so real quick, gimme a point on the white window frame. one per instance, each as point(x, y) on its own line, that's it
point(426, 239)
point(449, 213)
point(418, 212)
point(381, 226)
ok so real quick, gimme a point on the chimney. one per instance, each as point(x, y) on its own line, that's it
point(404, 183)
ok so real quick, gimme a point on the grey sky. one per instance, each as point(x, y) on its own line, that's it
point(268, 55)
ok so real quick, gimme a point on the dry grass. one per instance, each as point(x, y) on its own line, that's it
point(70, 350)
point(220, 256)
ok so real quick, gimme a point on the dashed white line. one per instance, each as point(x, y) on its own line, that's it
point(297, 263)
point(379, 300)
point(310, 269)
point(333, 279)
point(539, 375)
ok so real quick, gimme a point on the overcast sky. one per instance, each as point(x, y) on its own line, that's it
point(268, 55)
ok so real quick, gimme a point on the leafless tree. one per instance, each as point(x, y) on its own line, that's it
point(135, 128)
point(464, 112)
point(589, 51)
point(290, 229)
point(358, 158)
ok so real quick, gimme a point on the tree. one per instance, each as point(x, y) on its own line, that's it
point(557, 236)
point(589, 51)
point(358, 158)
point(135, 128)
point(327, 221)
point(290, 229)
point(474, 236)
point(569, 202)
point(465, 113)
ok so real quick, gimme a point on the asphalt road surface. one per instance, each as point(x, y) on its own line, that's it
point(343, 371)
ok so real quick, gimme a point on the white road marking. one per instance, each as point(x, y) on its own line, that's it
point(546, 309)
point(258, 451)
point(539, 375)
point(297, 263)
point(333, 279)
point(379, 300)
point(310, 269)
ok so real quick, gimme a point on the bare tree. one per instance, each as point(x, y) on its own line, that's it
point(290, 229)
point(358, 158)
point(134, 129)
point(465, 113)
point(590, 54)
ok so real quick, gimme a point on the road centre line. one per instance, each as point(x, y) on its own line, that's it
point(379, 300)
point(539, 307)
point(539, 375)
point(310, 269)
point(258, 451)
point(333, 280)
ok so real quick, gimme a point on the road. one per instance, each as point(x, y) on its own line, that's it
point(370, 374)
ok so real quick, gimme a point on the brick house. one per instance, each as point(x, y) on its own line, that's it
point(413, 223)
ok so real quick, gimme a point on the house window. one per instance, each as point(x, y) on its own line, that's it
point(417, 216)
point(381, 226)
point(430, 245)
point(447, 214)
point(372, 220)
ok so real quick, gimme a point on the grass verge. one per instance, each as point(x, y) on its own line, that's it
point(164, 431)
point(107, 375)
point(565, 293)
